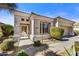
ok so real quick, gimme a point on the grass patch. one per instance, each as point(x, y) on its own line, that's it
point(77, 46)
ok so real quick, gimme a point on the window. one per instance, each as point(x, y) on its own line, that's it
point(22, 19)
point(27, 19)
point(44, 27)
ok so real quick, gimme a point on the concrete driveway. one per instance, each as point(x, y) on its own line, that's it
point(55, 46)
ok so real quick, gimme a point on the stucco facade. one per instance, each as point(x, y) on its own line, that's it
point(76, 26)
point(66, 24)
point(36, 26)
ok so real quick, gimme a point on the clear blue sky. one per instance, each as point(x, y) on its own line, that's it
point(69, 11)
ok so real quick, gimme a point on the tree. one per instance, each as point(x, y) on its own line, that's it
point(8, 6)
point(7, 30)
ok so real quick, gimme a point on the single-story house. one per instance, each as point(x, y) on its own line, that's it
point(35, 26)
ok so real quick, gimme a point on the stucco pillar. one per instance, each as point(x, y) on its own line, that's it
point(51, 24)
point(57, 23)
point(16, 28)
point(32, 29)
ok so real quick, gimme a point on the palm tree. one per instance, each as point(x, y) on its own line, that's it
point(8, 6)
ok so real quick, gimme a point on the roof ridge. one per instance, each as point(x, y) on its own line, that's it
point(41, 15)
point(64, 18)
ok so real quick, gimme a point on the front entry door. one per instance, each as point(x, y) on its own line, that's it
point(25, 29)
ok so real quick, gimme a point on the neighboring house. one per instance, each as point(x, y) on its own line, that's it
point(36, 26)
point(76, 26)
point(66, 24)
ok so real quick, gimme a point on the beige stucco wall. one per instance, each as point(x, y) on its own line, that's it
point(17, 21)
point(66, 25)
point(37, 20)
point(76, 26)
point(16, 25)
point(37, 27)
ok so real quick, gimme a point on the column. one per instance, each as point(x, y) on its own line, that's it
point(51, 24)
point(57, 24)
point(27, 30)
point(32, 29)
point(16, 28)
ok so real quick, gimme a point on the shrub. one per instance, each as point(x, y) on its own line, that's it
point(77, 46)
point(76, 32)
point(7, 45)
point(7, 30)
point(3, 46)
point(22, 53)
point(37, 43)
point(1, 34)
point(56, 32)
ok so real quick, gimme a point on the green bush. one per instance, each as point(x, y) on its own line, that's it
point(22, 53)
point(7, 30)
point(56, 32)
point(77, 46)
point(76, 32)
point(37, 43)
point(7, 45)
point(1, 34)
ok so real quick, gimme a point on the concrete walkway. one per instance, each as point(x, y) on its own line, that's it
point(54, 46)
point(25, 42)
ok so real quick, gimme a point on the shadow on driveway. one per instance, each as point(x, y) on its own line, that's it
point(32, 50)
point(51, 53)
point(64, 39)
